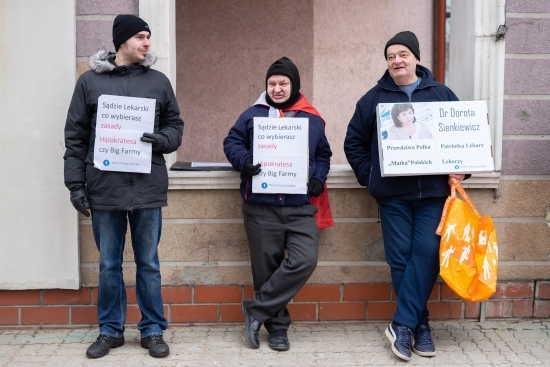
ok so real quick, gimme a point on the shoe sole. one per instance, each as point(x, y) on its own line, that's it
point(395, 351)
point(423, 354)
point(251, 342)
point(95, 356)
point(279, 348)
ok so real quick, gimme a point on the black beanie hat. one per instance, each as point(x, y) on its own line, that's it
point(125, 26)
point(405, 38)
point(285, 67)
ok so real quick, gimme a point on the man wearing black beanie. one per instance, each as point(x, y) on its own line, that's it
point(410, 206)
point(119, 196)
point(281, 222)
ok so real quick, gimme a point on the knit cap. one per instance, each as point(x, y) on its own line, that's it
point(125, 26)
point(405, 38)
point(284, 66)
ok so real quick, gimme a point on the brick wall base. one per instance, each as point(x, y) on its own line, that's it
point(315, 302)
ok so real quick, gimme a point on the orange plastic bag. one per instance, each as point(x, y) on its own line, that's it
point(468, 253)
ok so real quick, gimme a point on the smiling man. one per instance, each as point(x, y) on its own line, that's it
point(278, 223)
point(410, 206)
point(117, 198)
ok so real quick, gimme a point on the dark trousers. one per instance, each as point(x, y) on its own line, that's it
point(412, 251)
point(271, 230)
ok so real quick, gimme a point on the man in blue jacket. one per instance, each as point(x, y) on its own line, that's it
point(118, 198)
point(410, 206)
point(278, 222)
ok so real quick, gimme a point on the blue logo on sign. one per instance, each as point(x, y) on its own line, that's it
point(457, 166)
point(264, 185)
point(106, 162)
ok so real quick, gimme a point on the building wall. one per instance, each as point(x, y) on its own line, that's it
point(204, 253)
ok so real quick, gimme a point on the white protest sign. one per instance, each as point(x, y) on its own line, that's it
point(281, 146)
point(434, 138)
point(120, 123)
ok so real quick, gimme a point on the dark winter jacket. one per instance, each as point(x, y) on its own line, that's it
point(238, 147)
point(108, 190)
point(361, 143)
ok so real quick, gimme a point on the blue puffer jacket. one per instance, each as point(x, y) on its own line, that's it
point(238, 148)
point(361, 143)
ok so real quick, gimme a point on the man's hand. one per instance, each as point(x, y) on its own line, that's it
point(315, 187)
point(456, 178)
point(250, 168)
point(157, 140)
point(79, 199)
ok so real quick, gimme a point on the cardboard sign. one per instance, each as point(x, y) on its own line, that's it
point(434, 138)
point(120, 123)
point(281, 146)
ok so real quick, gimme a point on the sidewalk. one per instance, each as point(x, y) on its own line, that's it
point(459, 344)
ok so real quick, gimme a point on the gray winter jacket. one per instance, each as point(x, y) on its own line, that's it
point(109, 190)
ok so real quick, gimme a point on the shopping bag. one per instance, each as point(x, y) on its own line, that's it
point(468, 253)
point(323, 217)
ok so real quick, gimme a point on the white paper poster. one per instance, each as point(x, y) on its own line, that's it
point(281, 146)
point(120, 123)
point(434, 138)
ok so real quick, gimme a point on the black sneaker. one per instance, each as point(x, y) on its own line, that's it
point(102, 345)
point(278, 340)
point(400, 338)
point(423, 343)
point(156, 345)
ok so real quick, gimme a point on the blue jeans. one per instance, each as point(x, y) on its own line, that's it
point(412, 251)
point(109, 227)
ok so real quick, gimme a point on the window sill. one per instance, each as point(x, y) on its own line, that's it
point(340, 177)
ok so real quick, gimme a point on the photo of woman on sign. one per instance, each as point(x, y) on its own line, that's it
point(405, 124)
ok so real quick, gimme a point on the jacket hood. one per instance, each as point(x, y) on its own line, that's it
point(103, 61)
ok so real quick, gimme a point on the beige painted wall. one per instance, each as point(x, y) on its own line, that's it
point(225, 47)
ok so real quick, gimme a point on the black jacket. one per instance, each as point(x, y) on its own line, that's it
point(109, 190)
point(361, 143)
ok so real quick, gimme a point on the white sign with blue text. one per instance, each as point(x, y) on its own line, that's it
point(120, 123)
point(429, 138)
point(281, 146)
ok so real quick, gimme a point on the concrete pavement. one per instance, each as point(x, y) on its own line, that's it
point(459, 343)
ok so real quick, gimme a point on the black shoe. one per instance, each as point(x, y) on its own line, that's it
point(251, 328)
point(102, 345)
point(423, 343)
point(278, 340)
point(156, 345)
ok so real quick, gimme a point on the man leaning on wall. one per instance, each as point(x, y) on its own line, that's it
point(117, 198)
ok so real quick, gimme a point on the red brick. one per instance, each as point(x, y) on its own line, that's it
point(514, 290)
point(318, 292)
point(9, 315)
point(131, 296)
point(381, 310)
point(523, 308)
point(176, 294)
point(303, 311)
point(84, 315)
point(544, 290)
point(498, 309)
point(15, 298)
point(542, 309)
point(210, 294)
point(445, 310)
point(472, 310)
point(434, 296)
point(367, 292)
point(195, 313)
point(94, 296)
point(231, 313)
point(248, 291)
point(447, 293)
point(342, 311)
point(133, 314)
point(44, 315)
point(81, 296)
